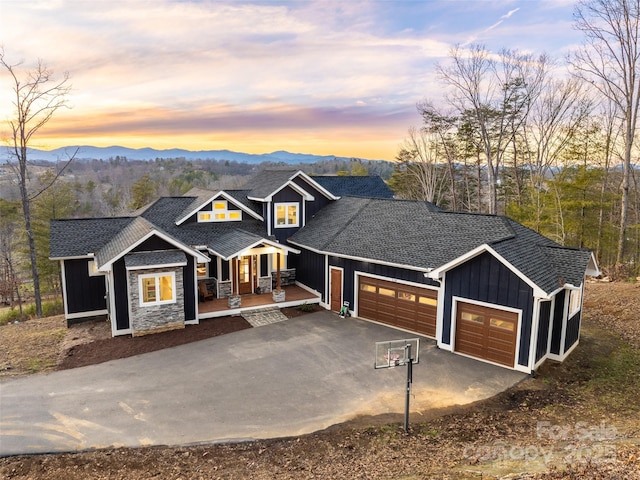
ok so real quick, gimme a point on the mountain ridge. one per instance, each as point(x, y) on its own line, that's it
point(88, 152)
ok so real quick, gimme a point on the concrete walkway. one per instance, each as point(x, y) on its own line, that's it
point(263, 316)
point(288, 378)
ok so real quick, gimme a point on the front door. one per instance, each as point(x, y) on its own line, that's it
point(336, 289)
point(245, 275)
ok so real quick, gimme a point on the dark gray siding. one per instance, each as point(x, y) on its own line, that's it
point(320, 200)
point(485, 279)
point(543, 329)
point(573, 331)
point(154, 243)
point(352, 266)
point(287, 194)
point(309, 269)
point(121, 298)
point(188, 273)
point(84, 292)
point(556, 325)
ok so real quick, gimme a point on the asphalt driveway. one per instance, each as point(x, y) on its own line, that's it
point(284, 379)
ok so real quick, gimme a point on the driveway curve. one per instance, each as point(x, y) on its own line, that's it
point(283, 379)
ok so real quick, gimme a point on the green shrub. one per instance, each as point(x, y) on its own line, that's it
point(10, 316)
point(306, 307)
point(49, 309)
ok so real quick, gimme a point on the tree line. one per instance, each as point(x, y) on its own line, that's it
point(554, 148)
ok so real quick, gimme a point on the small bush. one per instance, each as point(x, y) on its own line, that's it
point(306, 307)
point(10, 316)
point(49, 309)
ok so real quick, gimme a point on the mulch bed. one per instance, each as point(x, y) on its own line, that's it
point(107, 349)
point(103, 350)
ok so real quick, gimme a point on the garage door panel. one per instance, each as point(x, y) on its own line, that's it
point(486, 333)
point(399, 305)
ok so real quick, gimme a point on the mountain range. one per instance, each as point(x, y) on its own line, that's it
point(105, 153)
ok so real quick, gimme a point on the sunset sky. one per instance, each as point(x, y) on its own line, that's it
point(323, 77)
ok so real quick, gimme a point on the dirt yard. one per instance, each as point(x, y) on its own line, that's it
point(580, 419)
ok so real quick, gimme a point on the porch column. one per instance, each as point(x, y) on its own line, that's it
point(278, 279)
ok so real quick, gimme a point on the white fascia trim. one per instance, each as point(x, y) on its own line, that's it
point(63, 279)
point(362, 259)
point(73, 257)
point(163, 265)
point(228, 198)
point(92, 313)
point(394, 280)
point(194, 253)
point(290, 183)
point(437, 272)
point(315, 185)
point(239, 253)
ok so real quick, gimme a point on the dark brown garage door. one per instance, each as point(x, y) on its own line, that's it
point(398, 305)
point(486, 333)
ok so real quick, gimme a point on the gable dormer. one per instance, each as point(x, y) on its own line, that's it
point(215, 207)
point(289, 199)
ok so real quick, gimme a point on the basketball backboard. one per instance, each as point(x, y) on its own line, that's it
point(393, 353)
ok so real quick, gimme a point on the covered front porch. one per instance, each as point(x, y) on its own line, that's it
point(219, 307)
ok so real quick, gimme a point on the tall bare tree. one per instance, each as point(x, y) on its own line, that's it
point(37, 97)
point(610, 60)
point(497, 90)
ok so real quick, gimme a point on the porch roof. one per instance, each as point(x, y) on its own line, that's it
point(237, 241)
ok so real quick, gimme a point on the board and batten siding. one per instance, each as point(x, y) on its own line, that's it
point(309, 268)
point(121, 297)
point(556, 324)
point(573, 331)
point(85, 293)
point(320, 200)
point(485, 279)
point(189, 292)
point(544, 324)
point(350, 267)
point(286, 195)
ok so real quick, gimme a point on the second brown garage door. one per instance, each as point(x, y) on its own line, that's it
point(487, 333)
point(399, 305)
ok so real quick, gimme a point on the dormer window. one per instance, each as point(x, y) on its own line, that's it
point(219, 213)
point(287, 215)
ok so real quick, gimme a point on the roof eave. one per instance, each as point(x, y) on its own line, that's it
point(437, 273)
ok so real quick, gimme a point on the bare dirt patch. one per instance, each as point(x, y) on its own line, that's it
point(579, 419)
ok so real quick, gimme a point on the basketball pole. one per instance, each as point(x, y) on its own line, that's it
point(409, 380)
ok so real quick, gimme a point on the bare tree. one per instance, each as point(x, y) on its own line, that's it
point(37, 96)
point(610, 60)
point(559, 111)
point(497, 90)
point(419, 160)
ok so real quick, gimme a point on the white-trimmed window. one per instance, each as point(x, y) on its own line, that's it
point(201, 268)
point(220, 213)
point(575, 297)
point(287, 215)
point(93, 269)
point(157, 288)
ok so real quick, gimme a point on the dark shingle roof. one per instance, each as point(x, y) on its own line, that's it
point(123, 240)
point(371, 186)
point(402, 232)
point(418, 235)
point(267, 182)
point(159, 257)
point(82, 236)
